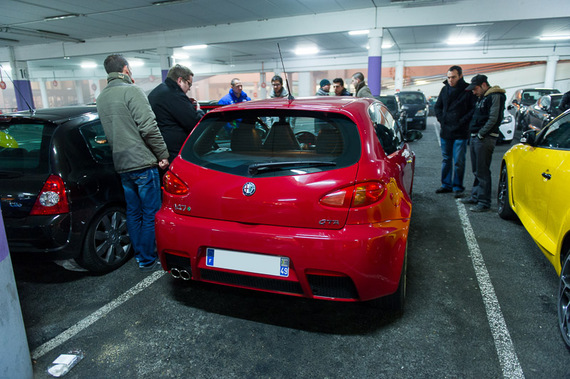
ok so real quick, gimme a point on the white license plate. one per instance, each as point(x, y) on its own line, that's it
point(409, 119)
point(248, 262)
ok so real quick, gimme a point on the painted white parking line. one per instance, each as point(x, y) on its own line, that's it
point(95, 316)
point(503, 343)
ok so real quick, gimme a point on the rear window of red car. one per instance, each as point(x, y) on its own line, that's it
point(273, 143)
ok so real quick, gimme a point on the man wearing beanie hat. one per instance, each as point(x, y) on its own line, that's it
point(325, 87)
point(484, 129)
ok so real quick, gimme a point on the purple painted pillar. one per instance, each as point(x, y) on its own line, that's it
point(24, 97)
point(15, 361)
point(164, 74)
point(375, 74)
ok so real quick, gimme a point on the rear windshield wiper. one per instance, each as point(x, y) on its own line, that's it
point(258, 168)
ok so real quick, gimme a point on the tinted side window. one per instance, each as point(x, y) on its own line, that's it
point(386, 128)
point(97, 142)
point(557, 135)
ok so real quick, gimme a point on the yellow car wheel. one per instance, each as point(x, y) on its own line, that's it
point(504, 210)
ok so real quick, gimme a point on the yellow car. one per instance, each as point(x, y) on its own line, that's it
point(533, 186)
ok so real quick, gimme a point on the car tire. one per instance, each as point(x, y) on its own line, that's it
point(423, 125)
point(504, 207)
point(107, 244)
point(564, 300)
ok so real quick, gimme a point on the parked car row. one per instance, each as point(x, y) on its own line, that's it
point(524, 98)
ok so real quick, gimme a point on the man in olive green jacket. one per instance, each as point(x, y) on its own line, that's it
point(138, 148)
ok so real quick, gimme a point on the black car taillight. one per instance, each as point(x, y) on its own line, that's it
point(52, 199)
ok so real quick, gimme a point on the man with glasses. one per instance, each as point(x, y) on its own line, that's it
point(175, 112)
point(278, 90)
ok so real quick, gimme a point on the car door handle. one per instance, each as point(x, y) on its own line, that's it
point(546, 176)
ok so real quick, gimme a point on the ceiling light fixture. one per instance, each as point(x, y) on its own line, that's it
point(478, 24)
point(462, 40)
point(307, 50)
point(385, 45)
point(194, 47)
point(88, 64)
point(358, 32)
point(554, 38)
point(136, 63)
point(61, 17)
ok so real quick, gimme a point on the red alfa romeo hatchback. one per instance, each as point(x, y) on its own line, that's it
point(307, 197)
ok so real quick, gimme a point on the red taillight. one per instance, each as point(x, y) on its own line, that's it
point(359, 195)
point(52, 199)
point(173, 184)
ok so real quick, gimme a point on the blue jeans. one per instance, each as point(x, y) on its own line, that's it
point(142, 194)
point(481, 155)
point(453, 165)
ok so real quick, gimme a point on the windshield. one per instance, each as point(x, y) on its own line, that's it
point(412, 98)
point(273, 143)
point(530, 97)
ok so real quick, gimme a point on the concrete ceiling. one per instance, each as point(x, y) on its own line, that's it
point(246, 32)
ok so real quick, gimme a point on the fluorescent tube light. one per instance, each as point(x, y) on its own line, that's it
point(358, 32)
point(462, 40)
point(88, 64)
point(554, 38)
point(307, 50)
point(194, 47)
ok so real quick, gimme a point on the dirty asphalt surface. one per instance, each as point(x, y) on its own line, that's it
point(175, 329)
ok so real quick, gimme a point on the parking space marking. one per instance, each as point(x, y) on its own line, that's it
point(95, 316)
point(503, 344)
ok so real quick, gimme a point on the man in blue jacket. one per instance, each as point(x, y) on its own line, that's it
point(236, 94)
point(176, 116)
point(453, 109)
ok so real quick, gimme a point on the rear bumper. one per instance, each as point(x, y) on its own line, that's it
point(356, 263)
point(48, 237)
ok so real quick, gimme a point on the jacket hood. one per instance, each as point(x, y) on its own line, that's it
point(494, 89)
point(119, 76)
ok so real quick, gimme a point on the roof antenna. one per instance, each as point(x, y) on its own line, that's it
point(30, 109)
point(290, 97)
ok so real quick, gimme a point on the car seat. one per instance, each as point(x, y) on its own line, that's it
point(281, 137)
point(245, 138)
point(329, 141)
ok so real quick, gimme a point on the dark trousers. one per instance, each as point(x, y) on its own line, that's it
point(481, 154)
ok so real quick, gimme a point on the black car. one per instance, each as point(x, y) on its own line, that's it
point(523, 98)
point(542, 112)
point(61, 197)
point(417, 108)
point(395, 107)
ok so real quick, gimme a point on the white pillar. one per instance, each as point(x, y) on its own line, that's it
point(15, 361)
point(79, 92)
point(262, 85)
point(399, 76)
point(165, 60)
point(43, 93)
point(304, 84)
point(550, 74)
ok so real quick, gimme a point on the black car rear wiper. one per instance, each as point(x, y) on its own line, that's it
point(258, 168)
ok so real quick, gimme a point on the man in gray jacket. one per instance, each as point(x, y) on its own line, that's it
point(138, 148)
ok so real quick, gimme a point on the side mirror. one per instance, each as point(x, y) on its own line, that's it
point(529, 137)
point(413, 135)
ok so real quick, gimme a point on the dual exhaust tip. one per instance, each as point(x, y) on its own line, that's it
point(180, 273)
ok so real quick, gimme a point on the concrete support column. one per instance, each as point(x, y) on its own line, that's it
point(375, 61)
point(399, 76)
point(79, 91)
point(43, 93)
point(305, 88)
point(15, 361)
point(262, 85)
point(22, 86)
point(165, 61)
point(550, 74)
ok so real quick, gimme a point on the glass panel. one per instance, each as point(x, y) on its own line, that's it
point(20, 146)
point(557, 135)
point(97, 142)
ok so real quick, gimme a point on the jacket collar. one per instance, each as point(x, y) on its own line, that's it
point(119, 76)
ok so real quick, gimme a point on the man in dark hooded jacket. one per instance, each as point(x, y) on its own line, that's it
point(453, 109)
point(176, 116)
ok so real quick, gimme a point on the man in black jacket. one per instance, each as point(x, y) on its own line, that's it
point(453, 109)
point(484, 130)
point(175, 114)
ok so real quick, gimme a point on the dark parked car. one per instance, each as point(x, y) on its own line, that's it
point(416, 106)
point(523, 98)
point(542, 112)
point(395, 107)
point(61, 197)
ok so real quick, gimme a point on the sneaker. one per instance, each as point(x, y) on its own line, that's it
point(479, 208)
point(442, 190)
point(151, 267)
point(469, 201)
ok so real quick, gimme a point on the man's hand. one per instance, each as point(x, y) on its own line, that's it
point(163, 164)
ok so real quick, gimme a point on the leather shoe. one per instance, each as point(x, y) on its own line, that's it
point(468, 201)
point(458, 194)
point(479, 208)
point(442, 190)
